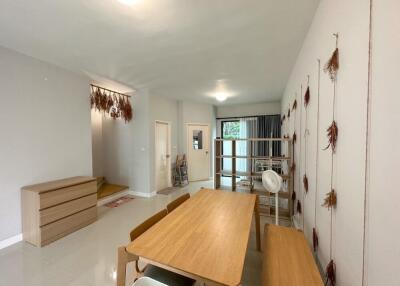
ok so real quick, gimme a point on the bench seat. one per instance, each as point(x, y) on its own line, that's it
point(287, 259)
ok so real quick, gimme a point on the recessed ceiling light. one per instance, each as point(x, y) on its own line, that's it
point(128, 2)
point(221, 96)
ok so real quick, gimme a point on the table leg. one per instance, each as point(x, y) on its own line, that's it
point(257, 220)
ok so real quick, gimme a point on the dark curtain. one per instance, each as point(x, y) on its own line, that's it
point(269, 126)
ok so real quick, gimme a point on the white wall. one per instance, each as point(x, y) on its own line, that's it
point(44, 127)
point(126, 150)
point(351, 20)
point(382, 251)
point(97, 144)
point(163, 109)
point(192, 112)
point(383, 228)
point(126, 147)
point(263, 108)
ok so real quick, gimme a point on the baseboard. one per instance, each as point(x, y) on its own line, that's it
point(142, 194)
point(10, 241)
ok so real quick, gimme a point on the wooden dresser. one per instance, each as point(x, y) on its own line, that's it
point(54, 209)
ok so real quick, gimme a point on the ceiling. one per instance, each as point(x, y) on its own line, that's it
point(176, 48)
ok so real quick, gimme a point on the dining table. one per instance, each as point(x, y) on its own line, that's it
point(205, 238)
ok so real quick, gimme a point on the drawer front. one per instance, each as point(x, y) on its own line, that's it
point(60, 211)
point(66, 194)
point(60, 228)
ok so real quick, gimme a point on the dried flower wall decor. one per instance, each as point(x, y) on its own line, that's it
point(332, 136)
point(330, 200)
point(116, 104)
point(307, 97)
point(298, 208)
point(315, 239)
point(305, 183)
point(330, 274)
point(332, 66)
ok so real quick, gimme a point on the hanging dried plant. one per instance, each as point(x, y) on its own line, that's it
point(330, 199)
point(126, 109)
point(315, 239)
point(116, 106)
point(293, 196)
point(331, 274)
point(283, 119)
point(332, 135)
point(294, 137)
point(103, 102)
point(288, 113)
point(110, 103)
point(97, 99)
point(92, 100)
point(305, 183)
point(114, 113)
point(298, 207)
point(307, 97)
point(332, 66)
point(293, 167)
point(294, 105)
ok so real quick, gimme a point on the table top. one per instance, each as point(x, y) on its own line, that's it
point(206, 237)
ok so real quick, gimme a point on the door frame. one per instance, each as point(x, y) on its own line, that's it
point(189, 145)
point(169, 159)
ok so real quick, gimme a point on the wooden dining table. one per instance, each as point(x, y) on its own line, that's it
point(205, 238)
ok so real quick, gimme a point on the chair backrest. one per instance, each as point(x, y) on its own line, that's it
point(140, 229)
point(177, 202)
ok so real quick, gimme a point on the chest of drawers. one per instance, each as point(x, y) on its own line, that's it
point(54, 209)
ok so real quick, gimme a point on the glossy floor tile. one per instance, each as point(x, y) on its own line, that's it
point(88, 256)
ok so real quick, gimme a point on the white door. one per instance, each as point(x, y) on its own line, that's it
point(198, 151)
point(162, 155)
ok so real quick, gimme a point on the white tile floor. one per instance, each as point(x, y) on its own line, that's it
point(88, 256)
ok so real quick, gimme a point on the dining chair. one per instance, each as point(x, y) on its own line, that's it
point(154, 272)
point(177, 202)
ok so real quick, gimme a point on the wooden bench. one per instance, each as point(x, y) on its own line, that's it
point(287, 259)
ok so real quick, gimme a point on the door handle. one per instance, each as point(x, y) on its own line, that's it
point(206, 152)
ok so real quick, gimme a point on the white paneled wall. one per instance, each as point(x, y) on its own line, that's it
point(344, 244)
point(344, 241)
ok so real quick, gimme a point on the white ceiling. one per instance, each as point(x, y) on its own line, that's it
point(174, 48)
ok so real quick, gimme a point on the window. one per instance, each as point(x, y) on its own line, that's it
point(230, 129)
point(197, 139)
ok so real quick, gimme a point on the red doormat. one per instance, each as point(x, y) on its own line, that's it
point(116, 203)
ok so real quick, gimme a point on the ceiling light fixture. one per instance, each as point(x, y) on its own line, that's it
point(221, 96)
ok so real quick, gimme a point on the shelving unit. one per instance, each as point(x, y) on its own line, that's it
point(280, 163)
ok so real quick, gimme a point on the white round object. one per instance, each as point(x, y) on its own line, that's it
point(271, 181)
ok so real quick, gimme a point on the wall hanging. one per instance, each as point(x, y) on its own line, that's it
point(306, 133)
point(301, 197)
point(315, 234)
point(116, 104)
point(332, 67)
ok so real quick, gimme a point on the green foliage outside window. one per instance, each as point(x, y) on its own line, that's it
point(231, 130)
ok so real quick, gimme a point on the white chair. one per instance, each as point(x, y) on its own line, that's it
point(146, 281)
